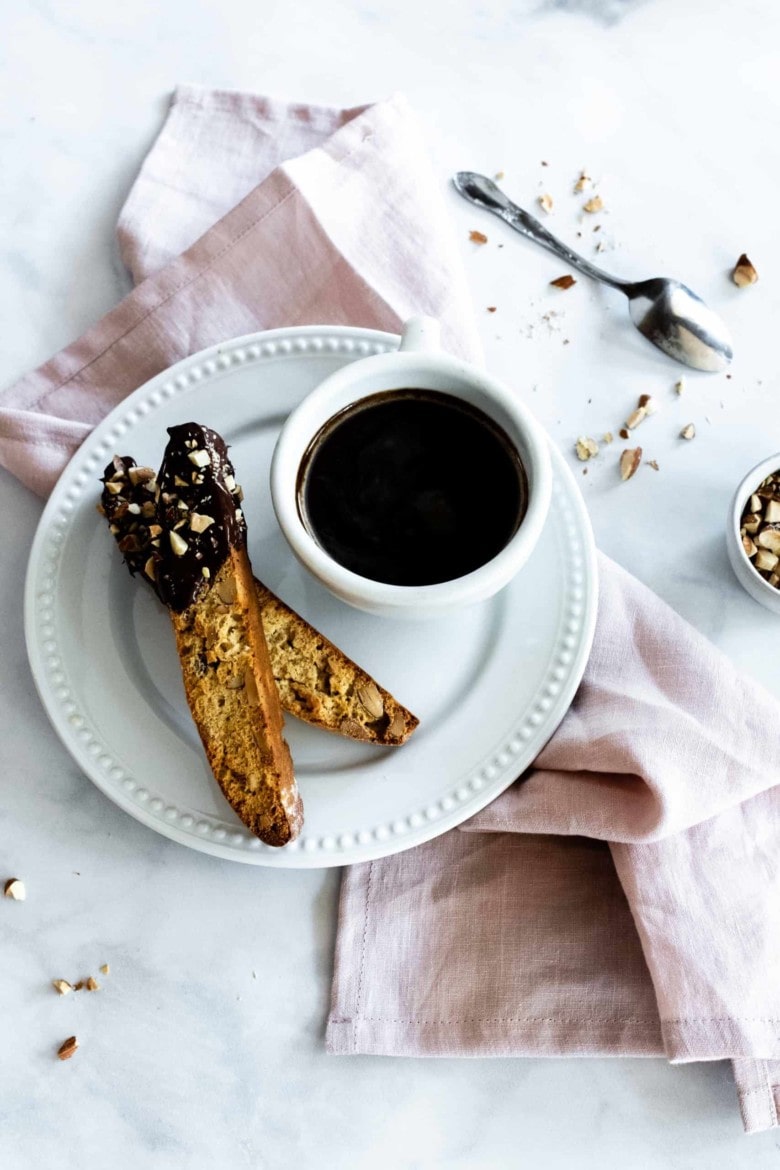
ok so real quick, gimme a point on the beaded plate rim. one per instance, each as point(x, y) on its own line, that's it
point(223, 838)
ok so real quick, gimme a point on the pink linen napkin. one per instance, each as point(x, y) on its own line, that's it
point(621, 898)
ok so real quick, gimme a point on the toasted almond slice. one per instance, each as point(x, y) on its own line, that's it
point(371, 699)
point(629, 462)
point(67, 1048)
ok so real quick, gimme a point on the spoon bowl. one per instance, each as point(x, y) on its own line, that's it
point(666, 312)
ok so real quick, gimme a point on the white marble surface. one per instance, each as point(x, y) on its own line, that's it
point(204, 1048)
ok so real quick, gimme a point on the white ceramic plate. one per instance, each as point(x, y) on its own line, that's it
point(489, 684)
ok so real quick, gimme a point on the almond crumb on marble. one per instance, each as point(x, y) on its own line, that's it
point(105, 969)
point(744, 273)
point(583, 183)
point(623, 432)
point(67, 1048)
point(586, 448)
point(680, 385)
point(79, 986)
point(478, 237)
point(688, 432)
point(498, 176)
point(546, 203)
point(92, 984)
point(608, 437)
point(653, 463)
point(61, 986)
point(15, 888)
point(594, 204)
point(563, 282)
point(629, 462)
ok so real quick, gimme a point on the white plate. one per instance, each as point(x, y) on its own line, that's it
point(489, 684)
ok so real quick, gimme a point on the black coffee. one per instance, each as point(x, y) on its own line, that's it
point(412, 487)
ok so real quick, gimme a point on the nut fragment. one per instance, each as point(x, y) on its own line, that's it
point(629, 462)
point(113, 489)
point(371, 699)
point(92, 984)
point(755, 504)
point(563, 282)
point(546, 203)
point(608, 437)
point(199, 522)
point(61, 986)
point(150, 569)
point(653, 463)
point(582, 184)
point(766, 560)
point(396, 726)
point(744, 273)
point(105, 969)
point(67, 1048)
point(648, 404)
point(200, 458)
point(236, 683)
point(593, 205)
point(14, 888)
point(680, 385)
point(769, 538)
point(688, 432)
point(636, 417)
point(476, 238)
point(179, 546)
point(140, 475)
point(586, 448)
point(772, 513)
point(751, 524)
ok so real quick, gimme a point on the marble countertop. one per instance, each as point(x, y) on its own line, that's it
point(205, 1045)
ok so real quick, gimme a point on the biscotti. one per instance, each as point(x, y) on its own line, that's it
point(188, 537)
point(316, 681)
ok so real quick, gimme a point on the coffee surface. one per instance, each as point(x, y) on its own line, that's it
point(412, 487)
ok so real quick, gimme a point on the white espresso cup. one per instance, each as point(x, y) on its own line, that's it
point(419, 364)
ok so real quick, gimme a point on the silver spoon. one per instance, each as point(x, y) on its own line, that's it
point(664, 311)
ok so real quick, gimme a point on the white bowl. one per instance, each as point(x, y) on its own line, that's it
point(748, 577)
point(420, 364)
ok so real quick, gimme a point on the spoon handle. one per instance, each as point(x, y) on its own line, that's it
point(483, 192)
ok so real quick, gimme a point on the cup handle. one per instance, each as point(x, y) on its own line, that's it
point(420, 335)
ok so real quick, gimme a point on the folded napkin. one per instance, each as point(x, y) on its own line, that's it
point(621, 898)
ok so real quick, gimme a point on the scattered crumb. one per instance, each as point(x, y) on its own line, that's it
point(61, 986)
point(583, 183)
point(105, 969)
point(623, 433)
point(728, 376)
point(584, 471)
point(498, 176)
point(653, 463)
point(688, 432)
point(478, 237)
point(608, 437)
point(565, 341)
point(546, 203)
point(67, 1048)
point(586, 448)
point(563, 281)
point(15, 888)
point(680, 386)
point(491, 308)
point(744, 273)
point(545, 164)
point(92, 984)
point(593, 205)
point(78, 986)
point(597, 228)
